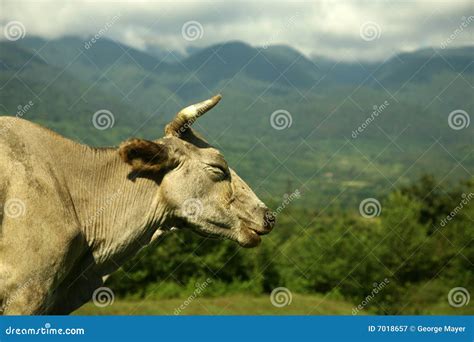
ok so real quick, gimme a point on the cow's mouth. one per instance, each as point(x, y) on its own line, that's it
point(214, 230)
point(250, 233)
point(260, 232)
point(245, 235)
point(249, 237)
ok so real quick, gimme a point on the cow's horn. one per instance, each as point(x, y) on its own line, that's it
point(186, 117)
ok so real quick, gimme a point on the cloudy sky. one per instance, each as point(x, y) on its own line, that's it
point(342, 30)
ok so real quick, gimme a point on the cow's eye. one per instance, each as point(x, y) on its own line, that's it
point(218, 172)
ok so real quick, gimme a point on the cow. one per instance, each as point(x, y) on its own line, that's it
point(72, 214)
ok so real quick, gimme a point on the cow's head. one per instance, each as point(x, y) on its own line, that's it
point(197, 186)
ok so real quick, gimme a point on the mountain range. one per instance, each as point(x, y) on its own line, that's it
point(323, 102)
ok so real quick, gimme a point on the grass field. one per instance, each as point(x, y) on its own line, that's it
point(248, 305)
point(232, 305)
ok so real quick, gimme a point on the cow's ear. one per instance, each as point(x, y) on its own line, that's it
point(145, 156)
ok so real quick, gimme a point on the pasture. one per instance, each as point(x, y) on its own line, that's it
point(228, 305)
point(243, 305)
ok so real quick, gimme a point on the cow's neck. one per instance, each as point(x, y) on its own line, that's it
point(118, 216)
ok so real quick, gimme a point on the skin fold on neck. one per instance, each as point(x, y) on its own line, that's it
point(117, 215)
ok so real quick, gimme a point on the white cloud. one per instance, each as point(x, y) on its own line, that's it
point(327, 28)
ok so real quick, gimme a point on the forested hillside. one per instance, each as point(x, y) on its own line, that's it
point(321, 153)
point(333, 132)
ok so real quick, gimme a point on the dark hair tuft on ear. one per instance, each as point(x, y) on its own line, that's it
point(144, 155)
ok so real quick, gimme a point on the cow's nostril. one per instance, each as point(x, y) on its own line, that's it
point(269, 220)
